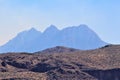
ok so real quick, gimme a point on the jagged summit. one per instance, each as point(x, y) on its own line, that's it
point(31, 32)
point(32, 29)
point(50, 29)
point(83, 25)
point(80, 27)
point(52, 26)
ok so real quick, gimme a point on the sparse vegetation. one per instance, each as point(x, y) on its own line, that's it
point(65, 65)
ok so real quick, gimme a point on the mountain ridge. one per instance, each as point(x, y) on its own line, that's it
point(79, 37)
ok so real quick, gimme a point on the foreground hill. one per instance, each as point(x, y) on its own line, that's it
point(79, 37)
point(62, 64)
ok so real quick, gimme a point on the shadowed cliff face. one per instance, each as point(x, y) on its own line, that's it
point(111, 74)
point(42, 67)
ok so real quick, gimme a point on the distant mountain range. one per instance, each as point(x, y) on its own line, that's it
point(78, 37)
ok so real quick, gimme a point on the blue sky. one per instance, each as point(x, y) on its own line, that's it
point(103, 16)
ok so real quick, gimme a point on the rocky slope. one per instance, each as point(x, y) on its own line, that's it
point(99, 64)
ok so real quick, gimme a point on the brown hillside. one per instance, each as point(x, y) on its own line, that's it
point(62, 64)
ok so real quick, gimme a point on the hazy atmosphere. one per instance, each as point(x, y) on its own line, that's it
point(59, 39)
point(102, 16)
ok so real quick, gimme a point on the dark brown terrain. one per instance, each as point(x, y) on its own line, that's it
point(62, 63)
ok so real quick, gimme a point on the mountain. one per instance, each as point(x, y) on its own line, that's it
point(79, 37)
point(98, 64)
point(21, 41)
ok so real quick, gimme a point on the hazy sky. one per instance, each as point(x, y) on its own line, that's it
point(103, 16)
